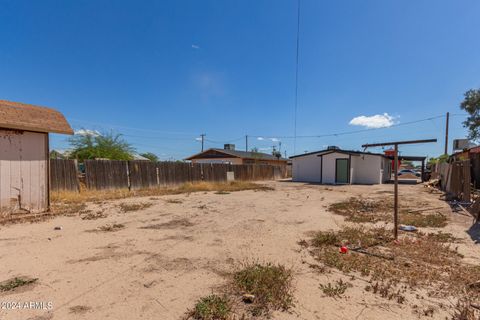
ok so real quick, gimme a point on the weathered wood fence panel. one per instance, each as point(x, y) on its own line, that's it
point(455, 179)
point(106, 174)
point(143, 174)
point(475, 169)
point(114, 174)
point(63, 175)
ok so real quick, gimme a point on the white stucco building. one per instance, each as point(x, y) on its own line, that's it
point(336, 166)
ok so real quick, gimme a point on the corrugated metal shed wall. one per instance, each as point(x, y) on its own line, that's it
point(23, 171)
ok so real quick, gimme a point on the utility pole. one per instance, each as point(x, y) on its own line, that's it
point(246, 143)
point(203, 139)
point(446, 133)
point(395, 169)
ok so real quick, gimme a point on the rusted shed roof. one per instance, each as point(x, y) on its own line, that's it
point(21, 116)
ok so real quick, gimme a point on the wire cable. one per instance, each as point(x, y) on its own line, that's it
point(296, 79)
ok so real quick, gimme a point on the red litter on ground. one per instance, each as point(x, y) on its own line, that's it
point(343, 249)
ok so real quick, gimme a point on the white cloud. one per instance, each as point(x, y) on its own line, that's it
point(271, 139)
point(198, 139)
point(87, 132)
point(194, 46)
point(373, 122)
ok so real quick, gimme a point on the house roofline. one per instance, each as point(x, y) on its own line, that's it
point(327, 151)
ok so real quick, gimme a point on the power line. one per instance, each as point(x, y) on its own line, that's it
point(296, 79)
point(355, 131)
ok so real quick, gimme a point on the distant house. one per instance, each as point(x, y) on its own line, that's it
point(24, 145)
point(231, 156)
point(337, 166)
point(136, 156)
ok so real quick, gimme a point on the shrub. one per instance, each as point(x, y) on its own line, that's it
point(212, 307)
point(270, 284)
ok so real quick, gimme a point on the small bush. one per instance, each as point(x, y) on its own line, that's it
point(212, 307)
point(336, 290)
point(270, 284)
point(14, 283)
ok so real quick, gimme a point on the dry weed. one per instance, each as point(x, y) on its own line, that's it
point(362, 210)
point(128, 207)
point(66, 197)
point(416, 262)
point(16, 282)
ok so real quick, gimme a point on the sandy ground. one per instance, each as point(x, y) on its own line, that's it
point(159, 272)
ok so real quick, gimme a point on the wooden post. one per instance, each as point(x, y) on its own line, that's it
point(446, 133)
point(395, 169)
point(423, 171)
point(395, 199)
point(129, 182)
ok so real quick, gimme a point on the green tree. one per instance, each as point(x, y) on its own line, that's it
point(106, 146)
point(150, 156)
point(471, 104)
point(441, 159)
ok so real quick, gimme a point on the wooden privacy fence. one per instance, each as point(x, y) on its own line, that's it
point(63, 175)
point(112, 174)
point(455, 179)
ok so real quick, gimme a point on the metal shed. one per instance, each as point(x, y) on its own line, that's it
point(24, 165)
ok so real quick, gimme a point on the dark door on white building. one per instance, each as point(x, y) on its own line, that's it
point(342, 169)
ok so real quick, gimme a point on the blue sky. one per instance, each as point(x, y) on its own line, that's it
point(163, 72)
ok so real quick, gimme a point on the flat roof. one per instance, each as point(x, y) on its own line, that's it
point(327, 151)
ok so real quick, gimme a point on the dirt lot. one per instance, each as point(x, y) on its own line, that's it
point(154, 260)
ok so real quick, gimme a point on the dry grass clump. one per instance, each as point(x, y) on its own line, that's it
point(388, 290)
point(362, 210)
point(335, 290)
point(111, 227)
point(174, 201)
point(172, 224)
point(421, 220)
point(212, 307)
point(79, 309)
point(16, 282)
point(69, 208)
point(68, 197)
point(355, 236)
point(99, 214)
point(415, 262)
point(439, 236)
point(270, 285)
point(128, 207)
point(465, 311)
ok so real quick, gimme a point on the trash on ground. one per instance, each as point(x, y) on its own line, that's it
point(408, 228)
